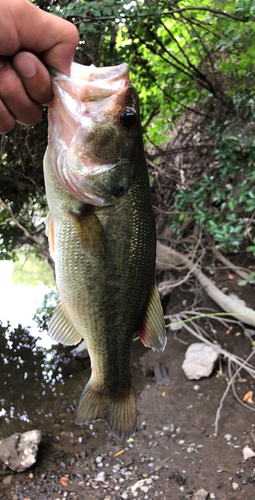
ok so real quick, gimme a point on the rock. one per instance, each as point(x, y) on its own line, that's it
point(248, 453)
point(228, 437)
point(145, 489)
point(200, 495)
point(100, 477)
point(19, 451)
point(7, 480)
point(235, 486)
point(80, 351)
point(199, 361)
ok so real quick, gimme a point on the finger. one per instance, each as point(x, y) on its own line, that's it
point(60, 55)
point(14, 97)
point(34, 76)
point(61, 52)
point(7, 121)
point(39, 32)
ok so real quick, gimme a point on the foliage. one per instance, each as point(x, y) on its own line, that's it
point(44, 313)
point(22, 189)
point(177, 55)
point(250, 279)
point(193, 68)
point(225, 194)
point(251, 248)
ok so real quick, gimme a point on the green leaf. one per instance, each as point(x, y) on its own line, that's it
point(242, 282)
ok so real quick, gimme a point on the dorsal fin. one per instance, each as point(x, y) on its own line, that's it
point(61, 328)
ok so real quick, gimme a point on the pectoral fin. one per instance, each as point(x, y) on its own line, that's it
point(61, 328)
point(50, 234)
point(90, 230)
point(152, 333)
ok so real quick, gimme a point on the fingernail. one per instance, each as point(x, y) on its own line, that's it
point(25, 66)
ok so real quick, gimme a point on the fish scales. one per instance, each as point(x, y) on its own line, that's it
point(102, 235)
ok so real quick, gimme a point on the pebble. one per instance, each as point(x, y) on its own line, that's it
point(200, 495)
point(228, 437)
point(248, 453)
point(128, 461)
point(145, 489)
point(124, 495)
point(100, 476)
point(235, 486)
point(7, 480)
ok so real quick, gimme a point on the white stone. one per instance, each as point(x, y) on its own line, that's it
point(248, 453)
point(200, 495)
point(100, 476)
point(19, 451)
point(145, 489)
point(228, 437)
point(199, 361)
point(235, 486)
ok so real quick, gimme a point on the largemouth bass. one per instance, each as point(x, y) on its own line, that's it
point(102, 235)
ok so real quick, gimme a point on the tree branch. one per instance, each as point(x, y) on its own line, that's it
point(88, 19)
point(166, 257)
point(25, 231)
point(242, 274)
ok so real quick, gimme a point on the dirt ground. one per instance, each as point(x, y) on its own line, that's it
point(174, 452)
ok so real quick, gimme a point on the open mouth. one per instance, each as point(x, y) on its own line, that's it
point(90, 84)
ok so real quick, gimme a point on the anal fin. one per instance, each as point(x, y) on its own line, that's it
point(61, 328)
point(152, 332)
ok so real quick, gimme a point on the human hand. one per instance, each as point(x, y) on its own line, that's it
point(29, 39)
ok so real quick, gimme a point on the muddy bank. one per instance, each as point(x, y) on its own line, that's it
point(174, 452)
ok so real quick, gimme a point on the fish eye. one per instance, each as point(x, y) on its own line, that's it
point(128, 117)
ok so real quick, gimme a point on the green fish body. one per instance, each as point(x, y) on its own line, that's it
point(102, 236)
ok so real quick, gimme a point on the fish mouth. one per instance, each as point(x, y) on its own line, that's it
point(92, 83)
point(90, 96)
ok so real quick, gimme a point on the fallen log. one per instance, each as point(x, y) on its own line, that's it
point(167, 257)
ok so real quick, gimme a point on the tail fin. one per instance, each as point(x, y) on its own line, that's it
point(118, 413)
